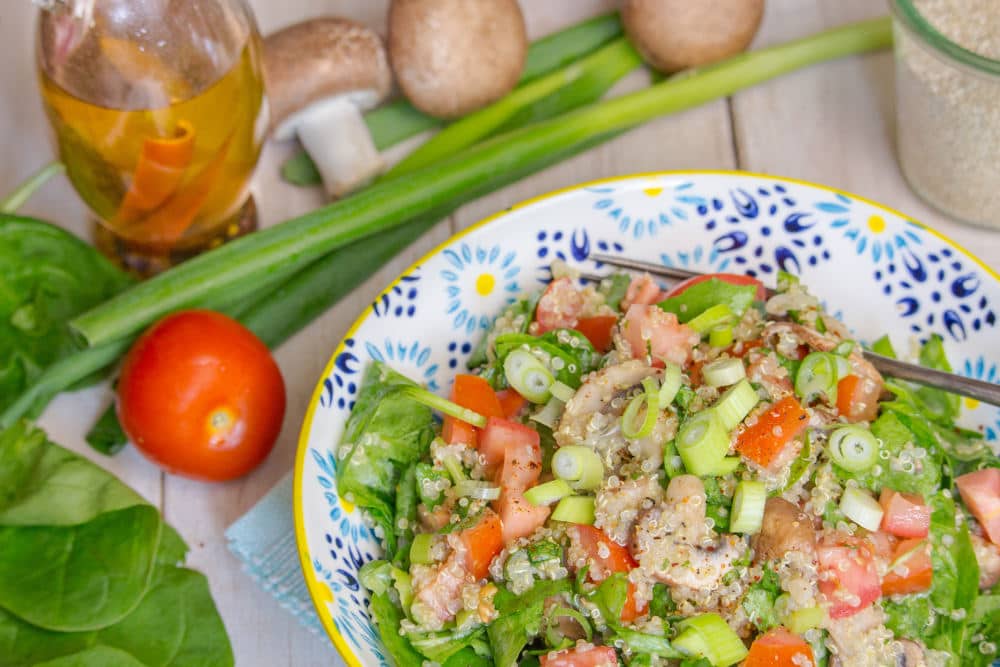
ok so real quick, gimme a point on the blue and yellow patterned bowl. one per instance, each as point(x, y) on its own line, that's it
point(875, 268)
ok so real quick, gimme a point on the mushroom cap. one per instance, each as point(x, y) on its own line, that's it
point(673, 35)
point(454, 56)
point(322, 58)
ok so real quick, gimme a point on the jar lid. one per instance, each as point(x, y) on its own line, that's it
point(909, 16)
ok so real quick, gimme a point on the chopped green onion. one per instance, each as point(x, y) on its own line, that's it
point(431, 484)
point(477, 489)
point(735, 404)
point(554, 638)
point(723, 372)
point(550, 414)
point(578, 465)
point(818, 374)
point(748, 507)
point(861, 508)
point(726, 466)
point(853, 448)
point(702, 442)
point(420, 549)
point(563, 392)
point(844, 349)
point(670, 384)
point(444, 406)
point(650, 398)
point(548, 493)
point(575, 509)
point(720, 336)
point(404, 586)
point(528, 376)
point(376, 576)
point(716, 640)
point(716, 316)
point(24, 191)
point(802, 620)
point(454, 468)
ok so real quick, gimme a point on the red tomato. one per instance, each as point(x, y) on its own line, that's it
point(904, 514)
point(200, 395)
point(774, 429)
point(606, 557)
point(482, 543)
point(651, 331)
point(848, 577)
point(599, 330)
point(520, 518)
point(476, 394)
point(731, 278)
point(779, 647)
point(559, 307)
point(592, 656)
point(511, 402)
point(981, 494)
point(642, 290)
point(500, 434)
point(914, 571)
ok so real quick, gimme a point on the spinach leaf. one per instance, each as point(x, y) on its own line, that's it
point(613, 289)
point(520, 619)
point(940, 404)
point(47, 276)
point(662, 604)
point(406, 508)
point(758, 602)
point(387, 617)
point(468, 657)
point(644, 642)
point(884, 347)
point(717, 504)
point(440, 646)
point(83, 577)
point(956, 576)
point(571, 348)
point(896, 431)
point(386, 432)
point(42, 484)
point(98, 656)
point(700, 297)
point(107, 435)
point(984, 622)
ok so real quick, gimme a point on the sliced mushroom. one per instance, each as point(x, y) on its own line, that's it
point(321, 75)
point(455, 56)
point(785, 529)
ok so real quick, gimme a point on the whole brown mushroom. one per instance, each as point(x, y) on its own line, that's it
point(673, 35)
point(452, 57)
point(321, 74)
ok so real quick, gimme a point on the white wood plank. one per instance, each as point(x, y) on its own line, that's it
point(834, 123)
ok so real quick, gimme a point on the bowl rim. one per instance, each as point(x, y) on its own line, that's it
point(314, 586)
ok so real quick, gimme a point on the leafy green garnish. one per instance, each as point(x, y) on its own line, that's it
point(700, 297)
point(576, 355)
point(662, 604)
point(717, 505)
point(613, 289)
point(387, 617)
point(758, 602)
point(520, 619)
point(519, 312)
point(884, 347)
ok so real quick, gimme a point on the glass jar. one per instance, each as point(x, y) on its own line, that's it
point(157, 108)
point(947, 117)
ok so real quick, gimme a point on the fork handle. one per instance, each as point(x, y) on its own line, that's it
point(987, 392)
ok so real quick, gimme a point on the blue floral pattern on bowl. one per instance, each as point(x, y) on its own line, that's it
point(878, 270)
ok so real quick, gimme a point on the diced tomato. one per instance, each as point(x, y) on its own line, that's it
point(745, 347)
point(856, 400)
point(642, 290)
point(779, 647)
point(651, 331)
point(913, 571)
point(607, 557)
point(882, 544)
point(559, 307)
point(981, 494)
point(591, 656)
point(599, 330)
point(511, 402)
point(774, 429)
point(848, 577)
point(482, 543)
point(731, 278)
point(522, 464)
point(904, 514)
point(520, 518)
point(499, 434)
point(476, 394)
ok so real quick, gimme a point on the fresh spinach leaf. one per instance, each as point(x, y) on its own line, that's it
point(662, 604)
point(644, 642)
point(758, 602)
point(406, 516)
point(440, 646)
point(520, 619)
point(83, 577)
point(717, 504)
point(940, 404)
point(107, 435)
point(97, 656)
point(576, 355)
point(896, 431)
point(386, 432)
point(47, 276)
point(700, 297)
point(613, 289)
point(468, 657)
point(387, 617)
point(884, 347)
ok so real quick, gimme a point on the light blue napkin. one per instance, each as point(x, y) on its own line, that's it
point(264, 541)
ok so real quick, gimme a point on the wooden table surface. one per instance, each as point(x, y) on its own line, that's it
point(832, 124)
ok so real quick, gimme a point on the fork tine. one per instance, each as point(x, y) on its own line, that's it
point(648, 267)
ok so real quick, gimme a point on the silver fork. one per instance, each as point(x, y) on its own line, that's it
point(987, 392)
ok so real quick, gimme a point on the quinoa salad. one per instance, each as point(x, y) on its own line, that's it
point(706, 476)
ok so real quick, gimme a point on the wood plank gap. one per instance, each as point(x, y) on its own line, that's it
point(734, 134)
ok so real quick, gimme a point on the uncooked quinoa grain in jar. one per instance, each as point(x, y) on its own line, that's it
point(948, 104)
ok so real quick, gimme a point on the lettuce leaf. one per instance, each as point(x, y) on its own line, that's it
point(700, 297)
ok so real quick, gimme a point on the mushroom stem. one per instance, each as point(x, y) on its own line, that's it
point(336, 137)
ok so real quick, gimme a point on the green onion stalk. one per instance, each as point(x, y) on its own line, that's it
point(234, 267)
